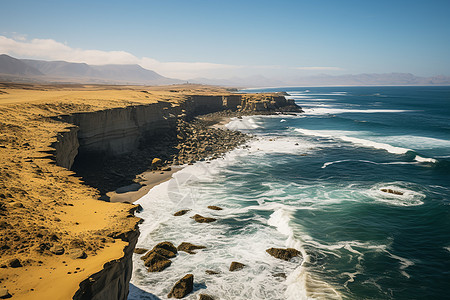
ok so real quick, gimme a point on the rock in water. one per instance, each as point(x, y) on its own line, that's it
point(156, 262)
point(213, 207)
point(211, 272)
point(167, 246)
point(140, 250)
point(390, 191)
point(284, 254)
point(201, 219)
point(183, 287)
point(236, 266)
point(205, 297)
point(181, 212)
point(189, 248)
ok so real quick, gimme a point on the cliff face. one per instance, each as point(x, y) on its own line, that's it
point(121, 130)
point(117, 131)
point(112, 282)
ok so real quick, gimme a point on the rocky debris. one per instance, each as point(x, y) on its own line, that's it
point(4, 294)
point(77, 254)
point(213, 207)
point(183, 287)
point(201, 219)
point(140, 250)
point(390, 191)
point(160, 251)
point(236, 266)
point(181, 212)
point(211, 272)
point(189, 248)
point(14, 263)
point(57, 249)
point(156, 262)
point(167, 246)
point(284, 254)
point(205, 297)
point(156, 162)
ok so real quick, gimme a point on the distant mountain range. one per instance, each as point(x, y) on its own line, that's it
point(40, 71)
point(388, 79)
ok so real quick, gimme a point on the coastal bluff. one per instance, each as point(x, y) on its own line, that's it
point(47, 211)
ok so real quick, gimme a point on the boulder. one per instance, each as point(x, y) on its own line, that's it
point(390, 191)
point(167, 246)
point(183, 287)
point(160, 251)
point(4, 294)
point(156, 262)
point(236, 266)
point(57, 249)
point(201, 219)
point(77, 254)
point(213, 207)
point(14, 263)
point(205, 297)
point(284, 254)
point(156, 162)
point(189, 248)
point(140, 250)
point(181, 212)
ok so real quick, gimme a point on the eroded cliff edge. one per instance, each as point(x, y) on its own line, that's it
point(100, 121)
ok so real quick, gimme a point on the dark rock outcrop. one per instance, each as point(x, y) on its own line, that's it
point(200, 219)
point(391, 191)
point(112, 282)
point(140, 250)
point(284, 254)
point(189, 248)
point(181, 212)
point(213, 207)
point(156, 262)
point(236, 266)
point(183, 287)
point(205, 297)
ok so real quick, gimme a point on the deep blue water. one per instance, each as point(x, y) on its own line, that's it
point(314, 182)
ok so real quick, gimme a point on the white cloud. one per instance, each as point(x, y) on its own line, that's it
point(48, 49)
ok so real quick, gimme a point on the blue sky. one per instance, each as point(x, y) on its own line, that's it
point(230, 38)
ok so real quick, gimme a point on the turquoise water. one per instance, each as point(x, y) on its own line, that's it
point(313, 182)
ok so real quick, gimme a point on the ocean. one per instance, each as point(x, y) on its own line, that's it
point(313, 181)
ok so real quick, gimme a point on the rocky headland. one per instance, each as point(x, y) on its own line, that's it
point(65, 147)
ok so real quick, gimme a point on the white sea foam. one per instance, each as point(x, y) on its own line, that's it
point(364, 161)
point(244, 123)
point(335, 111)
point(404, 263)
point(409, 197)
point(344, 135)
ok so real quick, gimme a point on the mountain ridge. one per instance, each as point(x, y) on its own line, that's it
point(24, 70)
